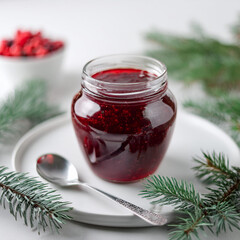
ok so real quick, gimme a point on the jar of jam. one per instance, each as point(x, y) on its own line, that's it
point(124, 116)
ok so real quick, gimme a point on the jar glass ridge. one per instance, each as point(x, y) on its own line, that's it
point(124, 116)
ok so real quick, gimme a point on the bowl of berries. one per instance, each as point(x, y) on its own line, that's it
point(30, 55)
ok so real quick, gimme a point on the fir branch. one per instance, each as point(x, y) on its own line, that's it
point(224, 216)
point(170, 191)
point(224, 110)
point(32, 200)
point(28, 102)
point(217, 210)
point(189, 225)
point(201, 58)
point(213, 167)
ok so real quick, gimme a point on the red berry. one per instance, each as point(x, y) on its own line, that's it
point(15, 50)
point(45, 40)
point(22, 37)
point(6, 52)
point(57, 44)
point(41, 51)
point(28, 49)
point(35, 42)
point(3, 46)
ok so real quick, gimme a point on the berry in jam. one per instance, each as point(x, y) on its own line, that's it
point(124, 138)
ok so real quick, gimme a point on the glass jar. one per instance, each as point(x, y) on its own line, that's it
point(124, 116)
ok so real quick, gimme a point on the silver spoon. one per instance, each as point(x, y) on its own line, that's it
point(60, 171)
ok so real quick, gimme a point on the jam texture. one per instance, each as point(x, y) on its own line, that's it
point(124, 140)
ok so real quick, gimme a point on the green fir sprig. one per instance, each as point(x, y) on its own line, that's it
point(216, 210)
point(199, 58)
point(224, 110)
point(32, 200)
point(27, 103)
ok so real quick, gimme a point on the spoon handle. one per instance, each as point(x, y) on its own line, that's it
point(148, 216)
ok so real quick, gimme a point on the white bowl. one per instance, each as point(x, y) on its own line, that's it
point(15, 70)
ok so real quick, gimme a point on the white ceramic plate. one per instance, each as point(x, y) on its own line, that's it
point(192, 134)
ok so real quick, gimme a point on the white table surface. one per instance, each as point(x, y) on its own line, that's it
point(94, 28)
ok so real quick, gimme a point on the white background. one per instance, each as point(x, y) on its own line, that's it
point(94, 28)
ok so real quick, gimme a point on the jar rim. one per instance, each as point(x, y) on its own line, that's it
point(85, 70)
point(117, 61)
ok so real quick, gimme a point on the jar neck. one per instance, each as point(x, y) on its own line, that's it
point(143, 88)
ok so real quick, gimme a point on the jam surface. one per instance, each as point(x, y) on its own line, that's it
point(124, 75)
point(124, 141)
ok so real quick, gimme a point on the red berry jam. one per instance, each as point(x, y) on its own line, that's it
point(124, 138)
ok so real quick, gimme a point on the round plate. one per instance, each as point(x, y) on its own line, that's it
point(192, 135)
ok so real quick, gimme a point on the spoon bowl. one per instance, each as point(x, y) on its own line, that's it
point(56, 169)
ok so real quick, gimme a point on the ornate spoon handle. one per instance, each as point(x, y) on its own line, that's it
point(148, 216)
